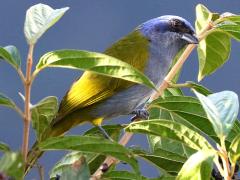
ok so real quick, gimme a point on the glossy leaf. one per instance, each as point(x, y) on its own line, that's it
point(234, 149)
point(228, 17)
point(189, 112)
point(12, 165)
point(11, 55)
point(90, 144)
point(186, 110)
point(169, 146)
point(112, 130)
point(77, 171)
point(232, 30)
point(198, 166)
point(43, 113)
point(203, 16)
point(157, 143)
point(5, 101)
point(214, 50)
point(4, 147)
point(68, 160)
point(121, 175)
point(163, 160)
point(160, 143)
point(39, 18)
point(199, 88)
point(95, 62)
point(94, 160)
point(221, 109)
point(171, 130)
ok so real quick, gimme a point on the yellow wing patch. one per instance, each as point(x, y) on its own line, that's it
point(92, 88)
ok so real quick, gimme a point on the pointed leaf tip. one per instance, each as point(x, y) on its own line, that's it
point(11, 55)
point(39, 18)
point(221, 109)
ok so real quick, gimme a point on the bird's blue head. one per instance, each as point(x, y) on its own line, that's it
point(169, 31)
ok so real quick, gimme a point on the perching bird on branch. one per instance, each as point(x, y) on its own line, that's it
point(150, 48)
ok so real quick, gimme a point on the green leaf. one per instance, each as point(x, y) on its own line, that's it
point(198, 166)
point(39, 18)
point(169, 146)
point(232, 30)
point(94, 160)
point(199, 88)
point(213, 52)
point(203, 16)
point(68, 160)
point(171, 130)
point(158, 111)
point(112, 130)
point(221, 109)
point(234, 150)
point(11, 55)
point(12, 165)
point(189, 112)
point(172, 92)
point(5, 101)
point(95, 62)
point(121, 175)
point(4, 147)
point(43, 113)
point(91, 144)
point(163, 160)
point(229, 18)
point(185, 110)
point(77, 171)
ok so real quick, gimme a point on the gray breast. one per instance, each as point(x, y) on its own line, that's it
point(128, 100)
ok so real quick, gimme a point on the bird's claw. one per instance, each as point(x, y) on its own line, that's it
point(140, 114)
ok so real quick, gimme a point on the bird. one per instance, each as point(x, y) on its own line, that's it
point(150, 48)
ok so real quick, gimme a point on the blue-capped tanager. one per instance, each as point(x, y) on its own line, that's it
point(150, 48)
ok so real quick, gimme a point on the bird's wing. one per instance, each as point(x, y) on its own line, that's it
point(92, 88)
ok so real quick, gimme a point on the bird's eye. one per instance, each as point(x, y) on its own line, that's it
point(175, 23)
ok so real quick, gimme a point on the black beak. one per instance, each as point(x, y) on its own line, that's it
point(191, 39)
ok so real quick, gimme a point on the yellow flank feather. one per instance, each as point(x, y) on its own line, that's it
point(92, 88)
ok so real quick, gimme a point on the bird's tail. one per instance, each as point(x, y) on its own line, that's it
point(33, 155)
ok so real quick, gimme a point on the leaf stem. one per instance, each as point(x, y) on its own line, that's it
point(127, 136)
point(27, 113)
point(225, 161)
point(35, 73)
point(19, 111)
point(20, 73)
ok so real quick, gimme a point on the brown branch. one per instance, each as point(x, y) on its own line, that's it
point(127, 135)
point(27, 113)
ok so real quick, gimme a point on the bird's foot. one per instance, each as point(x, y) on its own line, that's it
point(140, 114)
point(104, 133)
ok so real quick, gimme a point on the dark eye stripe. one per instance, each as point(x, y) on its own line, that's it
point(179, 26)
